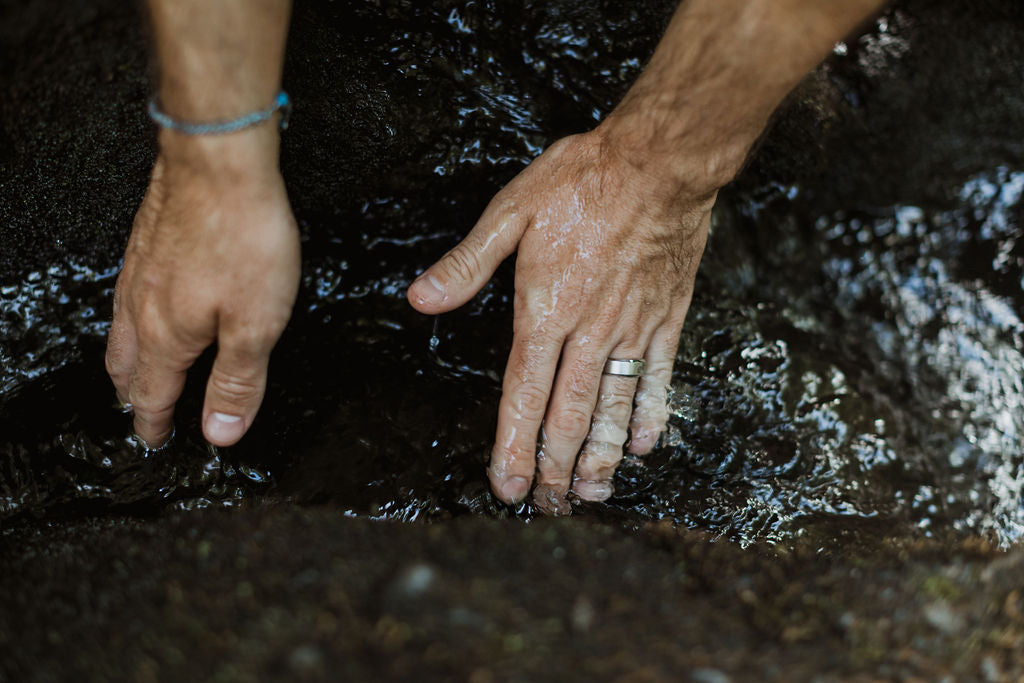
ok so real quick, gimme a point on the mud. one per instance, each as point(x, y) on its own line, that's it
point(308, 594)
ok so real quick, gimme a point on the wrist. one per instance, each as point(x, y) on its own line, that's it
point(682, 149)
point(250, 153)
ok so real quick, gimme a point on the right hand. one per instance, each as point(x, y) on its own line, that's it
point(213, 256)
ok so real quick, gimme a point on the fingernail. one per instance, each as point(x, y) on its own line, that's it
point(431, 288)
point(221, 427)
point(515, 489)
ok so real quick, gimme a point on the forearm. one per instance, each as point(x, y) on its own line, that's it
point(219, 60)
point(717, 75)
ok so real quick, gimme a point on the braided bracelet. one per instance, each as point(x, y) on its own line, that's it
point(281, 103)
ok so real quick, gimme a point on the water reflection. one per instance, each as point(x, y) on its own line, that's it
point(885, 381)
point(44, 317)
point(841, 375)
point(874, 389)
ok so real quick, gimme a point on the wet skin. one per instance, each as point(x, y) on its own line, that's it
point(576, 209)
point(608, 228)
point(162, 322)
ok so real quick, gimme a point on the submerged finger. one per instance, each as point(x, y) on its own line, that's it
point(650, 413)
point(524, 399)
point(602, 451)
point(566, 424)
point(155, 386)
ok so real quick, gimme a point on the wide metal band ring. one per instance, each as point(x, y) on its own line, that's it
point(624, 368)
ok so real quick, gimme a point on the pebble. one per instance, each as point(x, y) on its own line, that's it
point(942, 617)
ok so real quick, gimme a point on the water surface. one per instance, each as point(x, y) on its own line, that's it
point(845, 373)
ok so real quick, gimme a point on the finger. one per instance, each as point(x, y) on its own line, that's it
point(650, 414)
point(460, 273)
point(602, 451)
point(235, 390)
point(156, 383)
point(122, 348)
point(566, 424)
point(524, 399)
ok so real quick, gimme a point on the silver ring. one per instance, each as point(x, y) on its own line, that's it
point(624, 368)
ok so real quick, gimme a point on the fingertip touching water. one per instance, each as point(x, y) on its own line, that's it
point(801, 403)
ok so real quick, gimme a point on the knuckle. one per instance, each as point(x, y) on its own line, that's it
point(527, 302)
point(253, 334)
point(599, 461)
point(660, 374)
point(234, 388)
point(653, 412)
point(149, 410)
point(604, 431)
point(530, 402)
point(617, 408)
point(600, 477)
point(113, 363)
point(252, 341)
point(660, 371)
point(599, 456)
point(646, 427)
point(650, 417)
point(585, 376)
point(578, 395)
point(570, 421)
point(118, 375)
point(149, 326)
point(461, 263)
point(553, 470)
point(514, 458)
point(520, 454)
point(539, 302)
point(652, 394)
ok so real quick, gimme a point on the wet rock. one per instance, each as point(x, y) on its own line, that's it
point(307, 662)
point(942, 617)
point(412, 582)
point(583, 614)
point(709, 676)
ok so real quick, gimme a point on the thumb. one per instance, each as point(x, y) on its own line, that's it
point(234, 392)
point(460, 273)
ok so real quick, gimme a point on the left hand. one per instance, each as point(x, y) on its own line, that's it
point(607, 256)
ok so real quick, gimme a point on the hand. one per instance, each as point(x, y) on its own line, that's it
point(607, 255)
point(213, 256)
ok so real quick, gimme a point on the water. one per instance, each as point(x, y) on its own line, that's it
point(843, 375)
point(867, 369)
point(875, 388)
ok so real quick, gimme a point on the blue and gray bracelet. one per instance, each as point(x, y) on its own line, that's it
point(281, 103)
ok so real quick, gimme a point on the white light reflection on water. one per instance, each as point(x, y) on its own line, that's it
point(880, 382)
point(46, 315)
point(959, 343)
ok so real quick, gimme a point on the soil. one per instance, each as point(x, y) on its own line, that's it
point(839, 497)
